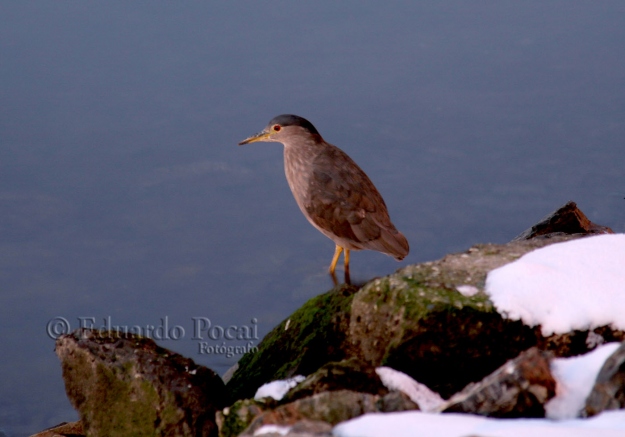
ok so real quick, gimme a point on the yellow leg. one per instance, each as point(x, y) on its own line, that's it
point(337, 254)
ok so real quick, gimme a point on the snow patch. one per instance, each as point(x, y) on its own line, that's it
point(277, 389)
point(426, 399)
point(467, 290)
point(577, 284)
point(272, 429)
point(411, 423)
point(575, 378)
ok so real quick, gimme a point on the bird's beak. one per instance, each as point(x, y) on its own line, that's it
point(261, 136)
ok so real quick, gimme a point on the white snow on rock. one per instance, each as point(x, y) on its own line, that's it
point(272, 429)
point(468, 290)
point(277, 389)
point(577, 284)
point(575, 378)
point(417, 423)
point(426, 399)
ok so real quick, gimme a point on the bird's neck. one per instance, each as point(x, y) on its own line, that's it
point(298, 161)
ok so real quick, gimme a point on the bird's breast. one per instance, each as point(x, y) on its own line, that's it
point(299, 170)
point(300, 174)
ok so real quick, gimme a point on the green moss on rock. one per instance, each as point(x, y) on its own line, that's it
point(312, 336)
point(417, 322)
point(125, 385)
point(233, 420)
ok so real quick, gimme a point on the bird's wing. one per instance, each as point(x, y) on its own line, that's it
point(342, 200)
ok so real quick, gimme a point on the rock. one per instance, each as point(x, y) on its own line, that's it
point(310, 427)
point(396, 401)
point(608, 393)
point(568, 219)
point(311, 337)
point(331, 407)
point(432, 321)
point(126, 385)
point(579, 342)
point(416, 321)
point(233, 420)
point(72, 429)
point(330, 328)
point(327, 407)
point(351, 374)
point(520, 388)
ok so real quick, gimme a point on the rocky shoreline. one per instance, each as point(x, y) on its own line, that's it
point(430, 325)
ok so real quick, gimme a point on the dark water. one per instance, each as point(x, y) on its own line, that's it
point(123, 194)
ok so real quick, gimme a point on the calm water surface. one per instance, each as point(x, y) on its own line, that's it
point(124, 197)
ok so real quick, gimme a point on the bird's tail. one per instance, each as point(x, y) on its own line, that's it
point(394, 243)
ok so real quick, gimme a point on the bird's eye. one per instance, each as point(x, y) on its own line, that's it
point(276, 128)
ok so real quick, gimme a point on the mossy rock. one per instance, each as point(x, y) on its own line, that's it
point(438, 336)
point(417, 321)
point(350, 374)
point(432, 321)
point(233, 420)
point(126, 385)
point(312, 336)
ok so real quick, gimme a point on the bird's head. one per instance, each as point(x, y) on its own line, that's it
point(284, 127)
